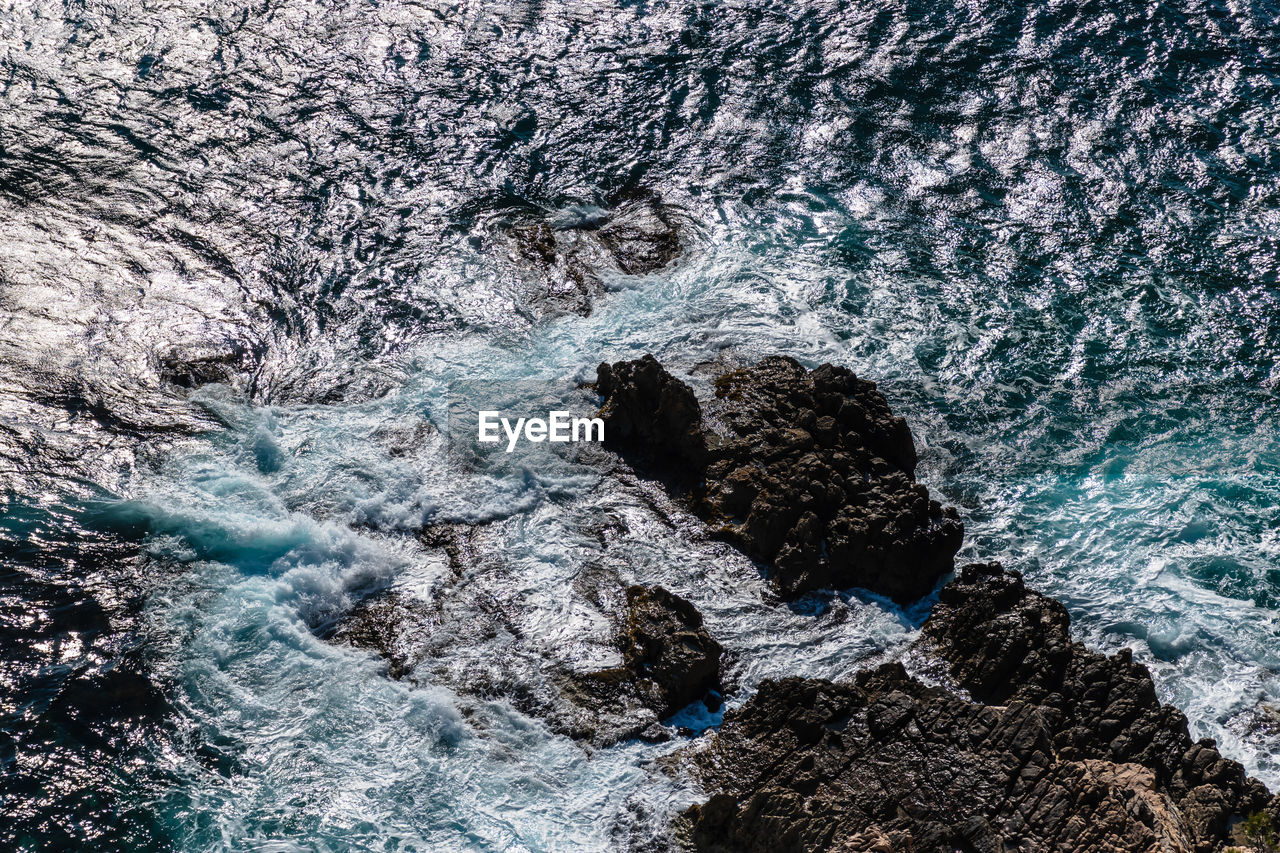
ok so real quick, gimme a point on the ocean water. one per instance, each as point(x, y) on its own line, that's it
point(251, 254)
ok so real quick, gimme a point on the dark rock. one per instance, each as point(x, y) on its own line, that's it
point(193, 367)
point(817, 478)
point(1005, 643)
point(885, 762)
point(649, 411)
point(1064, 749)
point(806, 471)
point(665, 659)
point(666, 646)
point(668, 659)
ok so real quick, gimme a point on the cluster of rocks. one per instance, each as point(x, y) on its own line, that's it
point(1005, 644)
point(1033, 742)
point(562, 259)
point(1021, 739)
point(806, 471)
point(654, 658)
point(1057, 748)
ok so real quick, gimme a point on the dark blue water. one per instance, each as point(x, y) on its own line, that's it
point(248, 252)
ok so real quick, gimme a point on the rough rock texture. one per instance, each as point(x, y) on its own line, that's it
point(806, 471)
point(668, 659)
point(1004, 643)
point(810, 765)
point(1064, 750)
point(649, 412)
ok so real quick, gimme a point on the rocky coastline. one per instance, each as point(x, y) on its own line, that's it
point(995, 732)
point(809, 472)
point(1037, 744)
point(1025, 741)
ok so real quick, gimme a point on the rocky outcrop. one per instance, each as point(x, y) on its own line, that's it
point(1020, 739)
point(887, 763)
point(651, 415)
point(806, 471)
point(675, 661)
point(1004, 643)
point(817, 478)
point(1059, 749)
point(668, 660)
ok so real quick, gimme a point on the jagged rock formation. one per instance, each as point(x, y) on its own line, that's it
point(649, 413)
point(1004, 643)
point(1028, 742)
point(806, 471)
point(1064, 750)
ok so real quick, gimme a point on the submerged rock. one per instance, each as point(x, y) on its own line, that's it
point(642, 238)
point(886, 763)
point(386, 623)
point(630, 657)
point(191, 367)
point(567, 254)
point(1064, 750)
point(806, 471)
point(566, 282)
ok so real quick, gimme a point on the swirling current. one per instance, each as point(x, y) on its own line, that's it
point(250, 251)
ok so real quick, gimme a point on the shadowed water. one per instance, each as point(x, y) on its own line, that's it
point(251, 253)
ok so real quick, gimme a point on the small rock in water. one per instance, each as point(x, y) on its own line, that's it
point(386, 623)
point(569, 252)
point(641, 239)
point(669, 659)
point(196, 366)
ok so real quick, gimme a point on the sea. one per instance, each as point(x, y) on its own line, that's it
point(251, 253)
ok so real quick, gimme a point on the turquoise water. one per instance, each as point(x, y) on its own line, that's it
point(1049, 233)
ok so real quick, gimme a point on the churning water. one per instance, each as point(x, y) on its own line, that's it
point(251, 251)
